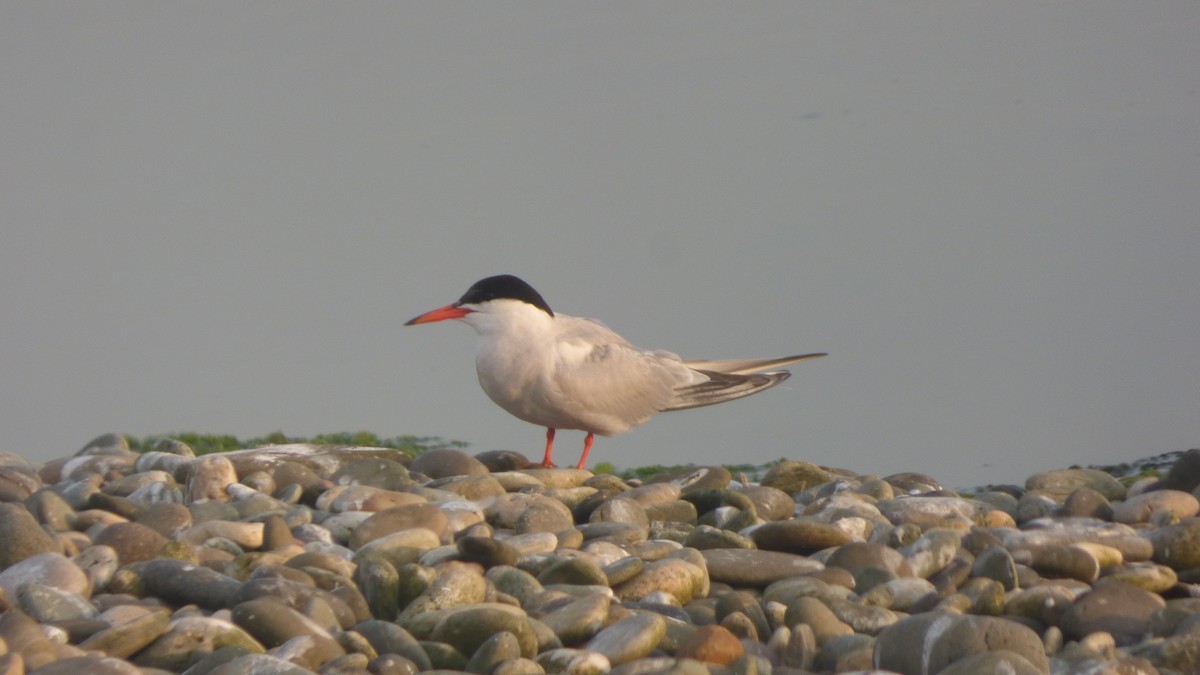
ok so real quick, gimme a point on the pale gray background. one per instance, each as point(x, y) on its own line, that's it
point(216, 217)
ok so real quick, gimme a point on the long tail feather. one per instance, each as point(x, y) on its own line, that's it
point(731, 379)
point(746, 366)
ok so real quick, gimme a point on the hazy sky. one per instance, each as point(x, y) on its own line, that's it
point(216, 217)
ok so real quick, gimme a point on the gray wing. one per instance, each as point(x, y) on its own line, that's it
point(612, 385)
point(619, 385)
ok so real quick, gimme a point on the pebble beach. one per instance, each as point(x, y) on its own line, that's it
point(299, 558)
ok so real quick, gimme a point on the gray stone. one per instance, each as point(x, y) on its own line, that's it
point(792, 477)
point(1084, 502)
point(573, 571)
point(379, 583)
point(1184, 474)
point(46, 603)
point(498, 648)
point(388, 638)
point(741, 568)
point(210, 477)
point(673, 576)
point(621, 510)
point(126, 639)
point(999, 661)
point(376, 472)
point(528, 513)
point(945, 638)
point(90, 664)
point(191, 638)
point(133, 542)
point(182, 583)
point(273, 623)
point(1120, 610)
point(866, 560)
point(629, 639)
point(455, 586)
point(995, 562)
point(1060, 483)
point(398, 518)
point(1159, 505)
point(579, 620)
point(818, 617)
point(1177, 545)
point(51, 510)
point(696, 478)
point(486, 551)
point(799, 535)
point(22, 536)
point(932, 551)
point(468, 628)
point(443, 462)
point(259, 664)
point(48, 569)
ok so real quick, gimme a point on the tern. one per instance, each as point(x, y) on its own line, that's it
point(567, 372)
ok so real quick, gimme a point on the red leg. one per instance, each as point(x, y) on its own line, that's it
point(587, 447)
point(546, 461)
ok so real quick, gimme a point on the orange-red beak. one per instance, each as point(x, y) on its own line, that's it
point(440, 314)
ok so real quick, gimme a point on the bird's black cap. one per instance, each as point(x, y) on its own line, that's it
point(504, 286)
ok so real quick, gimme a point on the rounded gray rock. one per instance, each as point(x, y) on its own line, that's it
point(799, 535)
point(1120, 610)
point(133, 542)
point(22, 536)
point(749, 567)
point(629, 639)
point(792, 477)
point(444, 462)
point(181, 583)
